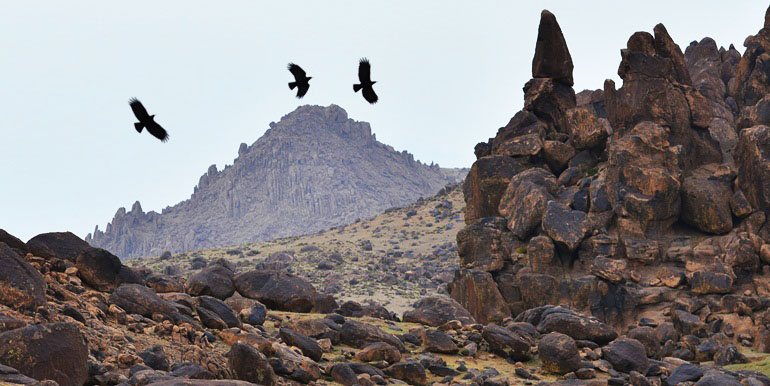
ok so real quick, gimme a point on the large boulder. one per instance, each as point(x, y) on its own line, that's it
point(525, 200)
point(485, 184)
point(507, 343)
point(101, 269)
point(164, 283)
point(309, 347)
point(412, 373)
point(360, 334)
point(560, 319)
point(753, 162)
point(552, 58)
point(62, 245)
point(250, 365)
point(626, 355)
point(277, 290)
point(13, 242)
point(586, 130)
point(55, 351)
point(379, 351)
point(559, 353)
point(486, 244)
point(219, 308)
point(706, 200)
point(21, 285)
point(138, 299)
point(567, 227)
point(215, 280)
point(477, 292)
point(435, 311)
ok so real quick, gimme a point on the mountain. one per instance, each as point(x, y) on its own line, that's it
point(314, 169)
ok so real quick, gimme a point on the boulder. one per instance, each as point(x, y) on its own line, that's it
point(552, 58)
point(21, 285)
point(557, 154)
point(706, 282)
point(55, 351)
point(309, 347)
point(163, 283)
point(203, 382)
point(219, 308)
point(99, 268)
point(560, 319)
point(754, 165)
point(612, 270)
point(525, 199)
point(277, 290)
point(436, 310)
point(485, 184)
point(486, 244)
point(626, 355)
point(138, 299)
point(360, 334)
point(343, 374)
point(62, 245)
point(438, 342)
point(684, 373)
point(559, 353)
point(507, 343)
point(477, 292)
point(14, 243)
point(410, 372)
point(11, 376)
point(542, 257)
point(586, 130)
point(549, 100)
point(565, 226)
point(379, 351)
point(155, 358)
point(688, 324)
point(706, 201)
point(647, 336)
point(248, 364)
point(214, 280)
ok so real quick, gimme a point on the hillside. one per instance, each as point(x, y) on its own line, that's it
point(392, 259)
point(314, 169)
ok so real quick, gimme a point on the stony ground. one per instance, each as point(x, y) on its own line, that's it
point(392, 259)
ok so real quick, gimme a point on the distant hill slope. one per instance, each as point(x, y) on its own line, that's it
point(314, 169)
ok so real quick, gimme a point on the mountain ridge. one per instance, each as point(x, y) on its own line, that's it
point(314, 169)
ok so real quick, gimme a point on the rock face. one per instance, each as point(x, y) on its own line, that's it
point(21, 285)
point(314, 169)
point(55, 351)
point(62, 245)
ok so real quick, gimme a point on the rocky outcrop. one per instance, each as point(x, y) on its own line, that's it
point(314, 169)
point(21, 285)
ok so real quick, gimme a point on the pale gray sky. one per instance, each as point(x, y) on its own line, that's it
point(450, 73)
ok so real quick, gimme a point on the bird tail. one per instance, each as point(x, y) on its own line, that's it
point(357, 87)
point(138, 126)
point(292, 85)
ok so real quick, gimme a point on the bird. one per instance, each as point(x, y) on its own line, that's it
point(364, 76)
point(301, 80)
point(146, 121)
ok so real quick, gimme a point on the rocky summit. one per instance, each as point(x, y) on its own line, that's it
point(314, 169)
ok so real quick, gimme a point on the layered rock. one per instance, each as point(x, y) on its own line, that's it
point(314, 169)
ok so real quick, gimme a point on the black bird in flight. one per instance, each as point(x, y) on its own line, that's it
point(146, 121)
point(301, 80)
point(365, 77)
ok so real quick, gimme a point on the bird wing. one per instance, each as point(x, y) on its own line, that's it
point(364, 71)
point(297, 71)
point(302, 89)
point(369, 95)
point(157, 131)
point(139, 111)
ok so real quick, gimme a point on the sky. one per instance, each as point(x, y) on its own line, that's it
point(449, 73)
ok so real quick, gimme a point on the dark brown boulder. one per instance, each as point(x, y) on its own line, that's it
point(485, 184)
point(163, 283)
point(612, 270)
point(754, 165)
point(62, 245)
point(13, 242)
point(560, 319)
point(11, 376)
point(21, 285)
point(379, 351)
point(486, 244)
point(138, 299)
point(357, 310)
point(248, 364)
point(309, 347)
point(437, 342)
point(552, 58)
point(559, 353)
point(507, 343)
point(752, 75)
point(542, 257)
point(202, 382)
point(706, 200)
point(99, 269)
point(626, 355)
point(360, 334)
point(55, 351)
point(648, 337)
point(706, 282)
point(410, 372)
point(550, 100)
point(586, 130)
point(435, 311)
point(219, 308)
point(214, 280)
point(523, 124)
point(477, 292)
point(525, 199)
point(566, 227)
point(277, 290)
point(343, 374)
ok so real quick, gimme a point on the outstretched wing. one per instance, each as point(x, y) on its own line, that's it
point(364, 71)
point(139, 111)
point(369, 95)
point(157, 131)
point(302, 89)
point(297, 71)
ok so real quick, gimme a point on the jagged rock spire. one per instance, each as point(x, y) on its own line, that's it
point(552, 58)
